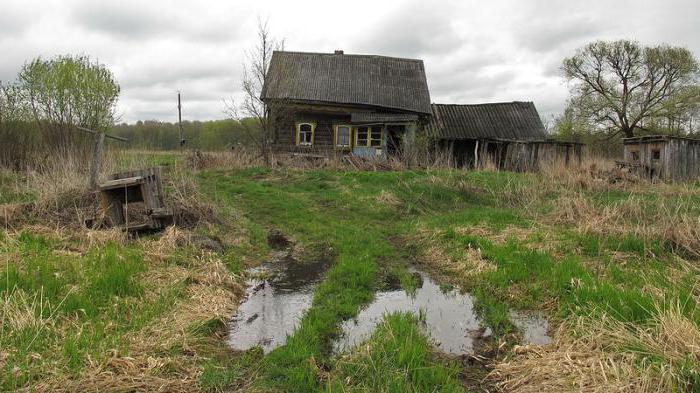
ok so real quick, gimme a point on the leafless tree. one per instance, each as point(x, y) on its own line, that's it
point(621, 85)
point(251, 111)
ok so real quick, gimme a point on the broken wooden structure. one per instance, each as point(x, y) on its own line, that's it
point(139, 190)
point(503, 135)
point(662, 157)
point(96, 161)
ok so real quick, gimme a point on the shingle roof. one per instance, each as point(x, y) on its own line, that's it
point(379, 81)
point(506, 120)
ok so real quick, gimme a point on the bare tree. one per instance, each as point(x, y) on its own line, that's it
point(620, 85)
point(252, 113)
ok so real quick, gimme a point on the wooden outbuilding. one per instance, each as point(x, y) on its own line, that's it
point(663, 157)
point(504, 135)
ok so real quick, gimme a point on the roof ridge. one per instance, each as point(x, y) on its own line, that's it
point(487, 103)
point(349, 55)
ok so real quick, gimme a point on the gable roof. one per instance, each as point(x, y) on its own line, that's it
point(504, 120)
point(378, 81)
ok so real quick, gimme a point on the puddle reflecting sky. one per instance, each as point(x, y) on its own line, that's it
point(533, 325)
point(449, 317)
point(274, 304)
point(282, 292)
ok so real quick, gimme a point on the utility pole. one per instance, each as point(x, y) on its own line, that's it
point(179, 120)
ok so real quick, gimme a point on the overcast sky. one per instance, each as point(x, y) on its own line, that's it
point(474, 51)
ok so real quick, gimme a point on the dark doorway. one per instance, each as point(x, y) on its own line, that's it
point(496, 153)
point(463, 151)
point(395, 135)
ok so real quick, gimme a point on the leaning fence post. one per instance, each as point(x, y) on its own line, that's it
point(96, 161)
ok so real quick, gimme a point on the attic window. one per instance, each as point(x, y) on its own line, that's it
point(305, 134)
point(368, 136)
point(656, 154)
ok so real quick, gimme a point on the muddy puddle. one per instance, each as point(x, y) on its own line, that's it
point(278, 294)
point(448, 317)
point(533, 325)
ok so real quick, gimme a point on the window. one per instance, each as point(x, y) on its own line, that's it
point(342, 136)
point(375, 136)
point(361, 136)
point(305, 134)
point(369, 136)
point(635, 155)
point(656, 154)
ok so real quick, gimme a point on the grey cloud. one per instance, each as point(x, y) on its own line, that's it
point(14, 21)
point(413, 30)
point(548, 34)
point(122, 20)
point(136, 20)
point(473, 51)
point(159, 73)
point(464, 86)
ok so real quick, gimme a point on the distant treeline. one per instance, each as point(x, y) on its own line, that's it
point(205, 135)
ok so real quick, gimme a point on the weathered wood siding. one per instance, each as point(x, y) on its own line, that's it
point(682, 159)
point(531, 156)
point(665, 158)
point(325, 118)
point(285, 135)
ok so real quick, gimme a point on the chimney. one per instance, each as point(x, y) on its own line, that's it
point(339, 52)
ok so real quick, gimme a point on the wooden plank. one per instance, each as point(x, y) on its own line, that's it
point(120, 183)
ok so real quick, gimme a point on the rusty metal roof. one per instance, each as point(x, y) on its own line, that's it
point(503, 120)
point(368, 80)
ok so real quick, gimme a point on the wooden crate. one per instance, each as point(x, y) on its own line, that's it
point(134, 187)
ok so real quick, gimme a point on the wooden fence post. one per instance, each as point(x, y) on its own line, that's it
point(96, 161)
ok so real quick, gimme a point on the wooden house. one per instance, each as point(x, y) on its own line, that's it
point(506, 135)
point(334, 102)
point(663, 157)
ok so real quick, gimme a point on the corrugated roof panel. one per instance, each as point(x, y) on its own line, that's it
point(507, 120)
point(380, 81)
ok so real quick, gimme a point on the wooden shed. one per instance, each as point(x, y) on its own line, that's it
point(505, 135)
point(663, 157)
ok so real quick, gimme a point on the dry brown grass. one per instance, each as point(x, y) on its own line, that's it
point(388, 198)
point(149, 363)
point(604, 355)
point(461, 268)
point(190, 208)
point(671, 221)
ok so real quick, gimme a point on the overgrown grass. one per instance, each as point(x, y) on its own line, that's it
point(579, 249)
point(44, 291)
point(397, 358)
point(551, 267)
point(346, 210)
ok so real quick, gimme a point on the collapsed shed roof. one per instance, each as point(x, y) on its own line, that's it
point(378, 81)
point(505, 120)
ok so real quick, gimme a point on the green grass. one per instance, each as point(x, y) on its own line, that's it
point(76, 307)
point(88, 303)
point(342, 209)
point(399, 359)
point(140, 159)
point(345, 210)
